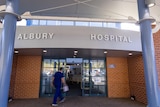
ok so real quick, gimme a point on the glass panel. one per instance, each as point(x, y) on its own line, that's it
point(85, 68)
point(65, 23)
point(46, 63)
point(98, 90)
point(100, 64)
point(51, 22)
point(35, 22)
point(94, 63)
point(52, 63)
point(47, 71)
point(81, 23)
point(42, 22)
point(85, 84)
point(58, 22)
point(62, 63)
point(56, 64)
point(46, 88)
point(104, 24)
point(98, 78)
point(93, 76)
point(111, 25)
point(96, 24)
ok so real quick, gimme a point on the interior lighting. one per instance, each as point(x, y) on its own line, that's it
point(150, 3)
point(105, 52)
point(16, 52)
point(130, 54)
point(44, 51)
point(75, 51)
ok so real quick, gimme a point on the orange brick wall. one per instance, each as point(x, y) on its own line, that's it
point(13, 75)
point(156, 37)
point(27, 80)
point(136, 78)
point(117, 78)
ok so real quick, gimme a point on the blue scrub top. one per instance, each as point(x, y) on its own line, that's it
point(57, 79)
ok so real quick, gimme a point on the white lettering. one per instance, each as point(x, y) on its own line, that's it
point(25, 36)
point(31, 36)
point(38, 36)
point(106, 37)
point(125, 39)
point(20, 37)
point(116, 39)
point(129, 39)
point(51, 35)
point(110, 38)
point(120, 38)
point(93, 37)
point(99, 37)
point(44, 36)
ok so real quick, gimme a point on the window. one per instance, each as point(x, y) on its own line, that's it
point(96, 24)
point(82, 23)
point(67, 23)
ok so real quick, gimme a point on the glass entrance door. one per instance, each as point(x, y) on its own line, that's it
point(49, 67)
point(85, 83)
point(93, 78)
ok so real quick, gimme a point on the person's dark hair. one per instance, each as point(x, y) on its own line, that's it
point(61, 68)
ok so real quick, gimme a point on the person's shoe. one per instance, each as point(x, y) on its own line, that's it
point(54, 105)
point(62, 100)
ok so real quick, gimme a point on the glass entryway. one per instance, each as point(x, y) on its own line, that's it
point(88, 77)
point(93, 78)
point(49, 67)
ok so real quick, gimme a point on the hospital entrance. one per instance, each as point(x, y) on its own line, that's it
point(85, 77)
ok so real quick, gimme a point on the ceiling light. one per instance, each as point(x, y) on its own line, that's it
point(16, 52)
point(130, 54)
point(105, 52)
point(75, 51)
point(44, 51)
point(150, 3)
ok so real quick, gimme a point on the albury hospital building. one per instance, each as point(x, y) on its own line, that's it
point(99, 58)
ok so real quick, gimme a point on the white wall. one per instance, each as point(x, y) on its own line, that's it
point(77, 37)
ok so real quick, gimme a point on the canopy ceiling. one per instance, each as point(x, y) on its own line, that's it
point(101, 9)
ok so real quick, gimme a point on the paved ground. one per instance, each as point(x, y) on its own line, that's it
point(77, 101)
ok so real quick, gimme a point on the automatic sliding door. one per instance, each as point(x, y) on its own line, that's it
point(85, 84)
point(49, 67)
point(94, 78)
point(98, 78)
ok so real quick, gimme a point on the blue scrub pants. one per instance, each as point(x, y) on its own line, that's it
point(57, 95)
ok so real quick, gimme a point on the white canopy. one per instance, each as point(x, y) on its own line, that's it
point(109, 10)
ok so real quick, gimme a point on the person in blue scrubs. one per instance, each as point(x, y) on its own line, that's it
point(58, 80)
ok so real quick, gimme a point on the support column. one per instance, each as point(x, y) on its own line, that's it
point(7, 46)
point(150, 72)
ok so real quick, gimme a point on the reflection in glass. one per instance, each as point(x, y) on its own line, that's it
point(46, 63)
point(94, 78)
point(49, 67)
